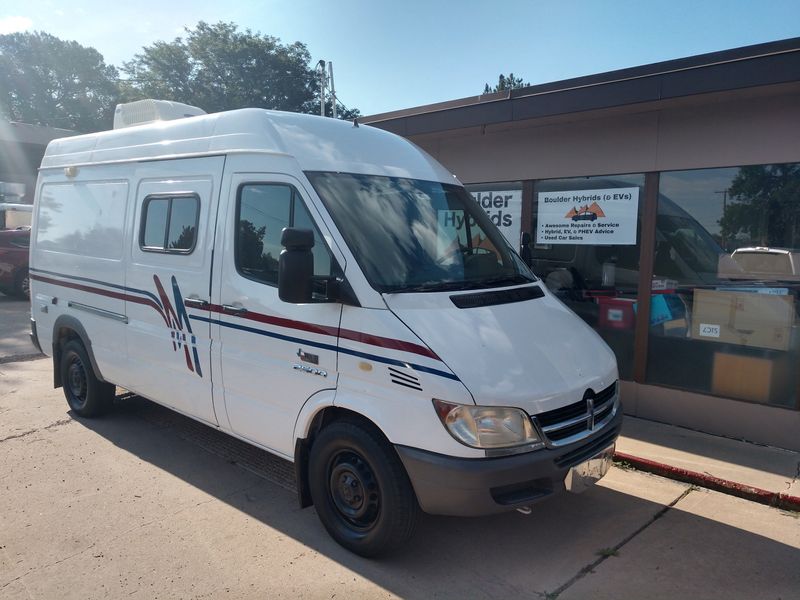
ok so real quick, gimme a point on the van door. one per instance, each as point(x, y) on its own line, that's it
point(169, 343)
point(264, 343)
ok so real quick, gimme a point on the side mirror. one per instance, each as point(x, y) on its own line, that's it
point(296, 266)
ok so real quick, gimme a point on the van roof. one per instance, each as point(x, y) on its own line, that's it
point(317, 143)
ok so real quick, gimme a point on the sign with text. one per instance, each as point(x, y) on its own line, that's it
point(505, 210)
point(588, 217)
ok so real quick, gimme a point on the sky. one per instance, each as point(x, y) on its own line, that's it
point(406, 53)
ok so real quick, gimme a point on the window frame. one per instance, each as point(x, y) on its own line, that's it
point(143, 223)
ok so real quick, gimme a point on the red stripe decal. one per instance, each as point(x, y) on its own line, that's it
point(280, 322)
point(348, 334)
point(382, 342)
point(101, 292)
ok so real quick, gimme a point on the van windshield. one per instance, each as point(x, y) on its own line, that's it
point(418, 236)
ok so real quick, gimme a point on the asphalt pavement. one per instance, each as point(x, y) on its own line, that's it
point(15, 328)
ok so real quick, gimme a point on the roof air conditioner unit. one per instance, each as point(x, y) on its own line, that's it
point(148, 111)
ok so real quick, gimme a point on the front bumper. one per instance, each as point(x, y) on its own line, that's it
point(469, 487)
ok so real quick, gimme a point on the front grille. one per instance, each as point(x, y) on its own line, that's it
point(568, 424)
point(577, 456)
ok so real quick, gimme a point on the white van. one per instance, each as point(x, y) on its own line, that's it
point(327, 292)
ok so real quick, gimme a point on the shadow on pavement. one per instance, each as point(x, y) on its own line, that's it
point(734, 452)
point(505, 556)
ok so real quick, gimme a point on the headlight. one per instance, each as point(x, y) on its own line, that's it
point(490, 428)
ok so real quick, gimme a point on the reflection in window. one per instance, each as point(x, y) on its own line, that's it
point(170, 224)
point(599, 283)
point(155, 222)
point(726, 282)
point(83, 219)
point(412, 235)
point(264, 210)
point(182, 224)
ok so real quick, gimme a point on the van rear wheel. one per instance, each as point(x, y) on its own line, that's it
point(361, 490)
point(86, 395)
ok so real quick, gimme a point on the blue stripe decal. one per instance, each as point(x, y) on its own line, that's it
point(98, 282)
point(287, 338)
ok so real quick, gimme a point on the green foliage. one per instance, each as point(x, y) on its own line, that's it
point(47, 81)
point(505, 83)
point(217, 67)
point(763, 205)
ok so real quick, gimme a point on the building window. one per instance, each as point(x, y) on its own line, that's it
point(502, 202)
point(169, 224)
point(586, 238)
point(726, 277)
point(263, 211)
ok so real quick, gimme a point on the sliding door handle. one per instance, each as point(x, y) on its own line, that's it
point(196, 303)
point(230, 309)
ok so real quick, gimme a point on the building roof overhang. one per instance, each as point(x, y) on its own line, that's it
point(749, 67)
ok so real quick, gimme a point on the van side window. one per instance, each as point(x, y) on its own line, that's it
point(263, 210)
point(169, 224)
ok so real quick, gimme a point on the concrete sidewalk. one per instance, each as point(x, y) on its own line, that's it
point(760, 473)
point(146, 503)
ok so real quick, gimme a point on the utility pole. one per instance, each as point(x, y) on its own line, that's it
point(724, 209)
point(325, 72)
point(323, 81)
point(333, 89)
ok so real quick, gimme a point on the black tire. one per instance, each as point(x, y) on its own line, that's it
point(360, 489)
point(86, 395)
point(22, 284)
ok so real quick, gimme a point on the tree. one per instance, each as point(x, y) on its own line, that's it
point(217, 67)
point(763, 205)
point(48, 81)
point(505, 83)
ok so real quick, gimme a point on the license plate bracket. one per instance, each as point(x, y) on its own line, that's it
point(584, 475)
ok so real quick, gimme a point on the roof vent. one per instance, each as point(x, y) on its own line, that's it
point(148, 111)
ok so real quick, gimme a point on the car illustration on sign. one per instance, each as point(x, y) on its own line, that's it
point(586, 213)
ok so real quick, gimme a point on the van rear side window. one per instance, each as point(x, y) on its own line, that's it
point(83, 218)
point(169, 224)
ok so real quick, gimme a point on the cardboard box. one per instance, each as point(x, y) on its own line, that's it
point(751, 378)
point(743, 318)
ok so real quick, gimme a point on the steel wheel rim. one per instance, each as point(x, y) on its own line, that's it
point(76, 381)
point(353, 490)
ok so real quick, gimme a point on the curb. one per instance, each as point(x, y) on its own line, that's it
point(732, 488)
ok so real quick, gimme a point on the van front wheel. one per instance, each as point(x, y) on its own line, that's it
point(86, 395)
point(360, 489)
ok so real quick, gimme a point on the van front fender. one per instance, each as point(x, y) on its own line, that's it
point(407, 419)
point(312, 407)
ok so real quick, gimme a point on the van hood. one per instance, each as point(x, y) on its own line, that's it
point(536, 355)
